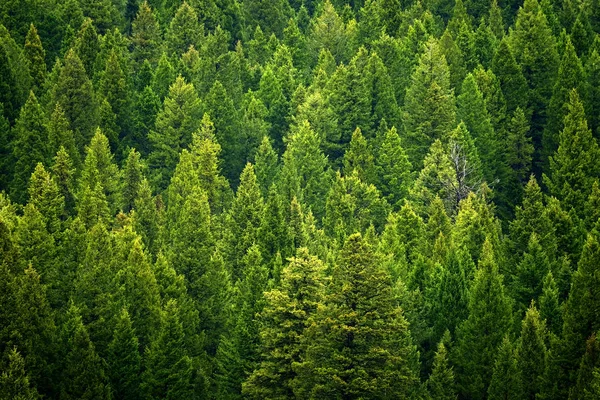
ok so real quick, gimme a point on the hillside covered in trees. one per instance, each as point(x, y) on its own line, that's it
point(303, 199)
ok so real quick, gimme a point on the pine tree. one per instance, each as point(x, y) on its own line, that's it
point(45, 195)
point(535, 50)
point(184, 30)
point(83, 375)
point(550, 310)
point(574, 166)
point(393, 168)
point(168, 368)
point(132, 180)
point(271, 93)
point(113, 86)
point(75, 94)
point(14, 381)
point(359, 158)
point(518, 151)
point(146, 107)
point(124, 360)
point(580, 312)
point(512, 81)
point(223, 114)
point(270, 16)
point(506, 380)
point(99, 169)
point(146, 37)
point(266, 165)
point(436, 179)
point(490, 318)
point(592, 103)
point(175, 123)
point(29, 147)
point(304, 172)
point(358, 344)
point(353, 206)
point(87, 46)
point(284, 320)
point(64, 172)
point(570, 76)
point(590, 363)
point(35, 54)
point(429, 109)
point(244, 219)
point(441, 381)
point(531, 353)
point(61, 135)
point(164, 77)
point(473, 112)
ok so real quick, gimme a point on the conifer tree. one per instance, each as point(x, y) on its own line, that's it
point(352, 206)
point(358, 344)
point(512, 81)
point(531, 353)
point(529, 275)
point(244, 220)
point(164, 76)
point(35, 54)
point(359, 158)
point(168, 368)
point(266, 165)
point(473, 112)
point(592, 103)
point(518, 151)
point(63, 171)
point(285, 317)
point(393, 168)
point(570, 76)
point(184, 30)
point(223, 114)
point(124, 360)
point(113, 86)
point(506, 380)
point(304, 172)
point(99, 170)
point(580, 312)
point(441, 381)
point(75, 94)
point(574, 166)
point(535, 50)
point(83, 375)
point(175, 123)
point(147, 104)
point(429, 107)
point(132, 179)
point(45, 195)
point(145, 35)
point(490, 318)
point(29, 147)
point(87, 46)
point(550, 310)
point(436, 179)
point(14, 381)
point(61, 135)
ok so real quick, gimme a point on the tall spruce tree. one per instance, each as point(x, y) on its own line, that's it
point(358, 344)
point(490, 318)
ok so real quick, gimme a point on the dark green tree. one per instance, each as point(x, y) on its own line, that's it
point(14, 381)
point(490, 318)
point(124, 361)
point(35, 54)
point(531, 353)
point(574, 165)
point(75, 94)
point(506, 380)
point(175, 123)
point(29, 146)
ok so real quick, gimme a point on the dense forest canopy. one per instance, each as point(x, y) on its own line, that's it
point(312, 199)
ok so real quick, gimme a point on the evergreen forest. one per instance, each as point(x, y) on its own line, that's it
point(300, 199)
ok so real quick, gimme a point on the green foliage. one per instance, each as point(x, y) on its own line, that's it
point(490, 318)
point(358, 343)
